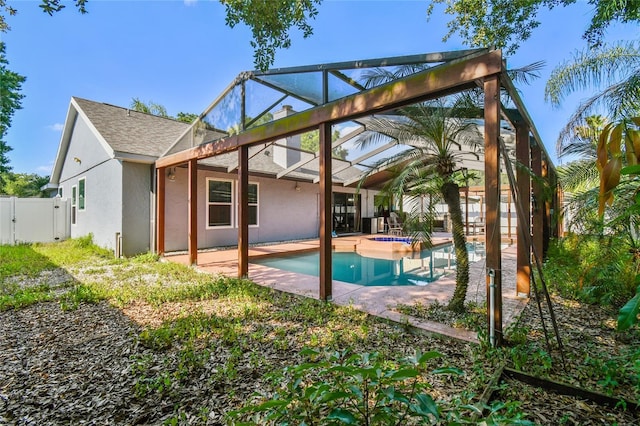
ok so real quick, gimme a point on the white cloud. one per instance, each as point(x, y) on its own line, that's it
point(45, 169)
point(190, 2)
point(57, 127)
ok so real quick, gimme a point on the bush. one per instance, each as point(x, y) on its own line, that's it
point(595, 269)
point(340, 388)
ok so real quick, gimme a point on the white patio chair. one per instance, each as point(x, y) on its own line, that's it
point(395, 227)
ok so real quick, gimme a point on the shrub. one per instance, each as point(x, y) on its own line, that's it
point(595, 269)
point(343, 388)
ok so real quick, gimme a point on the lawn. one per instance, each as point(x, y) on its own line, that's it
point(87, 339)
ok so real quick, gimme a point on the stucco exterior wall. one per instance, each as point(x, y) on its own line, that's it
point(283, 212)
point(102, 215)
point(86, 148)
point(136, 208)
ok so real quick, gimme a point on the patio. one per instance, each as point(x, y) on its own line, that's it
point(379, 301)
point(338, 99)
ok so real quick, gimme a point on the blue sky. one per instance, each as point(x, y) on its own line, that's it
point(182, 55)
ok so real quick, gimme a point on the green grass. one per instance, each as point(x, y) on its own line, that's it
point(224, 332)
point(73, 252)
point(22, 260)
point(22, 297)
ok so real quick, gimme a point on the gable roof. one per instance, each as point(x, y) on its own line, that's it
point(131, 132)
point(123, 133)
point(135, 136)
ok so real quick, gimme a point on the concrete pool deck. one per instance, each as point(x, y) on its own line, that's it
point(378, 301)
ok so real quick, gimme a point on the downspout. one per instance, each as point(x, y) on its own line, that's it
point(118, 250)
point(492, 326)
point(152, 211)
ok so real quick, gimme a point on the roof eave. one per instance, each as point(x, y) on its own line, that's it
point(63, 147)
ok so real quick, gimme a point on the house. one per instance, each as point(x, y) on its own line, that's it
point(140, 182)
point(105, 166)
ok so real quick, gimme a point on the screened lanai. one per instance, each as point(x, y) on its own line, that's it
point(321, 124)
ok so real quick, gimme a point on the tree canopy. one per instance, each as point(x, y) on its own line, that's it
point(270, 22)
point(22, 184)
point(10, 101)
point(505, 24)
point(311, 142)
point(160, 110)
point(611, 76)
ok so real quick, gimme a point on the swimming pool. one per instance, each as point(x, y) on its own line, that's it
point(418, 269)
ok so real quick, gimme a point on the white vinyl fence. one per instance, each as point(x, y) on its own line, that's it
point(34, 220)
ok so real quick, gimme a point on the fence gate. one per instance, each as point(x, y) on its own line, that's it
point(34, 220)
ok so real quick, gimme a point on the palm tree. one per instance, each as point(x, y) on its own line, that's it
point(614, 71)
point(148, 107)
point(581, 173)
point(434, 136)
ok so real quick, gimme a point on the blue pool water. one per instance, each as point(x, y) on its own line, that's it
point(419, 269)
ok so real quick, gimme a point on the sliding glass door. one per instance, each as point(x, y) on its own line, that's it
point(346, 213)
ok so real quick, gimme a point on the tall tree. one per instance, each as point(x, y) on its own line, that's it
point(433, 134)
point(160, 110)
point(186, 117)
point(149, 107)
point(507, 23)
point(611, 72)
point(10, 101)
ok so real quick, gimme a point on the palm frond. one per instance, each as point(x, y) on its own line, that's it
point(377, 76)
point(624, 98)
point(580, 211)
point(579, 176)
point(621, 99)
point(592, 68)
point(580, 148)
point(577, 120)
point(584, 138)
point(527, 73)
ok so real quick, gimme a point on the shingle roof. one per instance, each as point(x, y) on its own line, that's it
point(130, 131)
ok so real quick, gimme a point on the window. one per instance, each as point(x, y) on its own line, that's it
point(219, 203)
point(253, 204)
point(74, 199)
point(81, 198)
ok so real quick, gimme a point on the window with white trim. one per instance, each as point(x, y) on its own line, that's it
point(253, 204)
point(219, 203)
point(81, 193)
point(74, 202)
